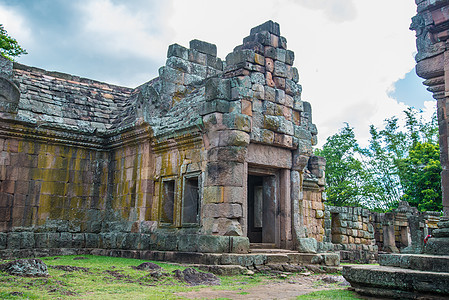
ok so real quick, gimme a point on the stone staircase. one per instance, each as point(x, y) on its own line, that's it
point(402, 276)
point(260, 259)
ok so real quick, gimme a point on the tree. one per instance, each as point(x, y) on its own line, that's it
point(400, 163)
point(420, 177)
point(9, 47)
point(345, 175)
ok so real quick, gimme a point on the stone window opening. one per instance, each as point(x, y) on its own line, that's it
point(166, 213)
point(191, 201)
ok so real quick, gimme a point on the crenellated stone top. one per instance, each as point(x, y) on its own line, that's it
point(254, 90)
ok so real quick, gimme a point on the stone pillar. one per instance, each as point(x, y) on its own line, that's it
point(416, 225)
point(432, 43)
point(388, 234)
point(226, 138)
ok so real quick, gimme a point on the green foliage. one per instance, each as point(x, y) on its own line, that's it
point(9, 47)
point(420, 176)
point(329, 295)
point(400, 163)
point(345, 175)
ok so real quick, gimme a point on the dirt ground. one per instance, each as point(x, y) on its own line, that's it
point(273, 289)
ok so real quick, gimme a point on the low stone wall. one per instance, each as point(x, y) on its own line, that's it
point(399, 221)
point(351, 232)
point(28, 242)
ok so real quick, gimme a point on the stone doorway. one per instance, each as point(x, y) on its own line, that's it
point(262, 209)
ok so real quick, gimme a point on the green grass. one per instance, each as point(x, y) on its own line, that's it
point(329, 295)
point(107, 278)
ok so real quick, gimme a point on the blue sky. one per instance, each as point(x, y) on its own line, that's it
point(411, 91)
point(351, 54)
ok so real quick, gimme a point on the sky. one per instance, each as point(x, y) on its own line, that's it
point(355, 57)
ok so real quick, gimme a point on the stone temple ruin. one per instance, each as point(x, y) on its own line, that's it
point(210, 157)
point(209, 163)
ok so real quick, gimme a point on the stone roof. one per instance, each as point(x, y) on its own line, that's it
point(71, 102)
point(256, 89)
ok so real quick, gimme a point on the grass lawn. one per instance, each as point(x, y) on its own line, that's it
point(105, 278)
point(330, 295)
point(102, 277)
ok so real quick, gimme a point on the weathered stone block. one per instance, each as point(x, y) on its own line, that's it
point(217, 88)
point(257, 78)
point(289, 57)
point(270, 52)
point(221, 106)
point(197, 57)
point(241, 81)
point(78, 240)
point(340, 239)
point(224, 173)
point(270, 26)
point(41, 240)
point(166, 242)
point(213, 244)
point(14, 240)
point(234, 137)
point(239, 57)
point(53, 240)
point(239, 244)
point(180, 64)
point(222, 227)
point(223, 210)
point(259, 59)
point(280, 56)
point(188, 243)
point(203, 47)
point(218, 194)
point(273, 109)
point(108, 240)
point(178, 51)
point(292, 88)
point(92, 240)
point(65, 240)
point(9, 96)
point(148, 241)
point(214, 62)
point(131, 241)
point(307, 245)
point(228, 153)
point(240, 93)
point(273, 123)
point(3, 240)
point(237, 121)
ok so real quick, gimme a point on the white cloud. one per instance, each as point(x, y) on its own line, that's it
point(335, 10)
point(16, 26)
point(125, 31)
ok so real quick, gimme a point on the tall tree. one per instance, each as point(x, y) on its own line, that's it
point(345, 175)
point(9, 47)
point(420, 177)
point(400, 163)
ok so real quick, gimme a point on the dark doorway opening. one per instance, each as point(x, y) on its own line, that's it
point(261, 209)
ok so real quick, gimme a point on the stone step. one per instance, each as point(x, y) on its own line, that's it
point(272, 251)
point(393, 282)
point(262, 246)
point(422, 262)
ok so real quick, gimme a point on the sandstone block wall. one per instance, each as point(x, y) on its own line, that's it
point(92, 165)
point(41, 181)
point(351, 231)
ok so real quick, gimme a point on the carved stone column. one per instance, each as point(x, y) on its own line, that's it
point(432, 32)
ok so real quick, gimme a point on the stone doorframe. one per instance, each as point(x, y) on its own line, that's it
point(279, 181)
